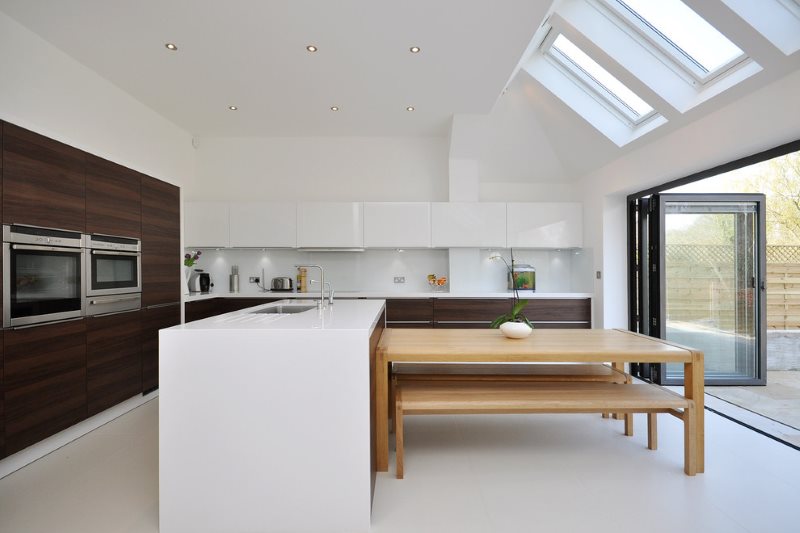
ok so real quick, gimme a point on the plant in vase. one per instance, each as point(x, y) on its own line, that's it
point(513, 324)
point(189, 261)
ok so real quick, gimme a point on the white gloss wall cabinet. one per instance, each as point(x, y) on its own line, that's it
point(206, 225)
point(263, 224)
point(397, 224)
point(545, 225)
point(468, 224)
point(330, 225)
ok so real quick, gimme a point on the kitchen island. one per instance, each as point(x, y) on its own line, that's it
point(265, 419)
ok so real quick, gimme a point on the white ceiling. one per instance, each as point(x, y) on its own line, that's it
point(252, 54)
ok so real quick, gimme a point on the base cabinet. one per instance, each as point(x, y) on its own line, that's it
point(113, 360)
point(44, 371)
point(154, 319)
point(216, 306)
point(409, 313)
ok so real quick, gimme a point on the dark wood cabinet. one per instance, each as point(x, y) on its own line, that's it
point(113, 360)
point(2, 400)
point(409, 313)
point(113, 199)
point(44, 371)
point(161, 240)
point(43, 181)
point(201, 309)
point(543, 312)
point(153, 320)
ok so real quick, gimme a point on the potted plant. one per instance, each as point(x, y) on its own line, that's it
point(514, 324)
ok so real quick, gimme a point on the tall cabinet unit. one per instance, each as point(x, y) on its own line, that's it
point(44, 374)
point(113, 199)
point(43, 181)
point(160, 270)
point(113, 359)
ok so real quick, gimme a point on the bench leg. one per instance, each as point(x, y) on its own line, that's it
point(652, 431)
point(398, 434)
point(690, 440)
point(392, 400)
point(605, 415)
point(628, 424)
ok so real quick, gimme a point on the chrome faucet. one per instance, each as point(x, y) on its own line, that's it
point(321, 303)
point(330, 290)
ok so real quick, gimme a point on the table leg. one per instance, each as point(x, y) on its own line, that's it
point(381, 412)
point(620, 367)
point(693, 385)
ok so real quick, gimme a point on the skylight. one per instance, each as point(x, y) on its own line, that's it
point(692, 40)
point(599, 80)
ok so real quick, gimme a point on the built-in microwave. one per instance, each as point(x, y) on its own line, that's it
point(43, 275)
point(113, 274)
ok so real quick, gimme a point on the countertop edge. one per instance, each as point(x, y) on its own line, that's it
point(384, 295)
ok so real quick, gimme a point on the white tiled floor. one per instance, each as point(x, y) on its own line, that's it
point(544, 473)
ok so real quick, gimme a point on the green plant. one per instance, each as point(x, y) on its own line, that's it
point(517, 305)
point(191, 258)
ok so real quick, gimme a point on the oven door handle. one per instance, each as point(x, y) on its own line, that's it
point(46, 248)
point(114, 300)
point(108, 252)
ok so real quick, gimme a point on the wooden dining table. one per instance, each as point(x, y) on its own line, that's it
point(614, 346)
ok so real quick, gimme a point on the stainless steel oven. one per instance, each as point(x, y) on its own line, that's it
point(114, 274)
point(43, 275)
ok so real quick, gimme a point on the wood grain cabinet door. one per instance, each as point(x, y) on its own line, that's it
point(468, 312)
point(113, 199)
point(113, 360)
point(44, 371)
point(161, 241)
point(561, 313)
point(409, 313)
point(43, 181)
point(154, 319)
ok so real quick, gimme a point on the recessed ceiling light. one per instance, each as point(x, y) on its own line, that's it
point(171, 46)
point(334, 108)
point(232, 107)
point(414, 49)
point(410, 108)
point(311, 48)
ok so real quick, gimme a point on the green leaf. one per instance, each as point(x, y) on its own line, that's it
point(518, 307)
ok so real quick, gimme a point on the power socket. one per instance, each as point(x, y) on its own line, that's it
point(255, 279)
point(399, 279)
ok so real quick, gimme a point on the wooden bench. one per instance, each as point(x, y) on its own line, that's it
point(527, 372)
point(485, 397)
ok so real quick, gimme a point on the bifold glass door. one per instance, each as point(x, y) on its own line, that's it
point(705, 283)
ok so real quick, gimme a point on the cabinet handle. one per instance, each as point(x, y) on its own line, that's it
point(116, 313)
point(48, 323)
point(108, 252)
point(156, 306)
point(112, 300)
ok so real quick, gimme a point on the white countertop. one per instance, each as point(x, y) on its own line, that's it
point(377, 294)
point(343, 315)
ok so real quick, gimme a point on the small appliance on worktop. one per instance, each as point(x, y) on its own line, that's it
point(282, 284)
point(200, 281)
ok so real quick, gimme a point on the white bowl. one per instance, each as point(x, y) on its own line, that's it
point(515, 330)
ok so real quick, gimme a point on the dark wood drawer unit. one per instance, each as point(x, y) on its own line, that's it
point(154, 319)
point(43, 181)
point(45, 381)
point(561, 313)
point(468, 312)
point(203, 309)
point(114, 360)
point(2, 399)
point(161, 255)
point(409, 313)
point(113, 199)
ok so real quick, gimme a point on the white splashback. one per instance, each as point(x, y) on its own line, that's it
point(374, 270)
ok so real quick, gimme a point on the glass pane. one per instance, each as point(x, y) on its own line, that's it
point(686, 31)
point(605, 82)
point(710, 285)
point(44, 282)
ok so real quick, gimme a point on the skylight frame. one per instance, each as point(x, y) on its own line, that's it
point(593, 87)
point(697, 74)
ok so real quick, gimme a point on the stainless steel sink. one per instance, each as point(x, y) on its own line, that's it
point(283, 310)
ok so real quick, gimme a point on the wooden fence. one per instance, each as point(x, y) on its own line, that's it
point(701, 286)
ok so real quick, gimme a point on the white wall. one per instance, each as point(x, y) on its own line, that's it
point(761, 120)
point(321, 168)
point(46, 91)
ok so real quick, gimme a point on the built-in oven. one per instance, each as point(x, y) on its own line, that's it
point(113, 274)
point(43, 275)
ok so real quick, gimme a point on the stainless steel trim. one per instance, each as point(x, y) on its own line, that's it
point(112, 300)
point(48, 323)
point(463, 321)
point(43, 240)
point(109, 252)
point(116, 313)
point(156, 306)
point(37, 248)
point(95, 241)
point(6, 284)
point(410, 321)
